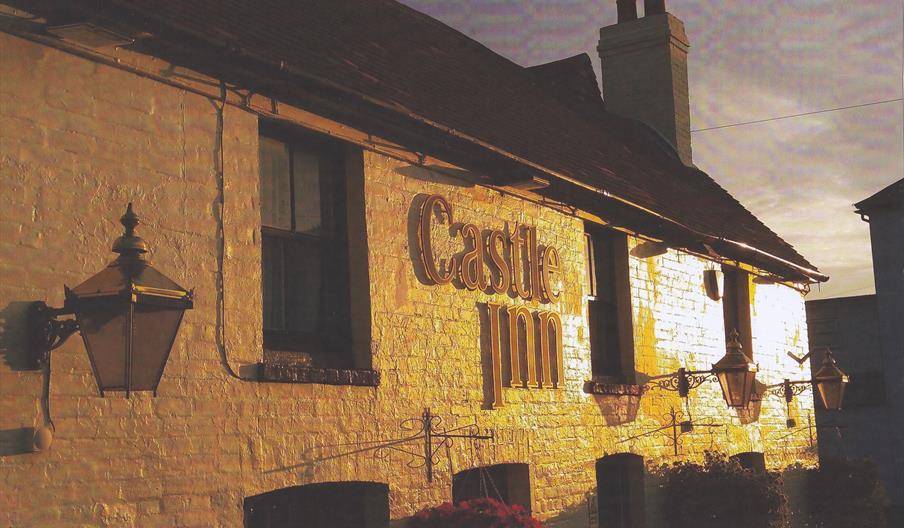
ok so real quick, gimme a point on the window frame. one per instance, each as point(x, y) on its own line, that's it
point(328, 344)
point(613, 360)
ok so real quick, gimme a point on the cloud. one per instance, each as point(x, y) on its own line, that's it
point(749, 61)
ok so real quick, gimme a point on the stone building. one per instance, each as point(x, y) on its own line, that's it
point(865, 332)
point(377, 216)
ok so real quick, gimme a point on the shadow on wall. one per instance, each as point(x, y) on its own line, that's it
point(414, 213)
point(486, 356)
point(18, 441)
point(437, 174)
point(582, 514)
point(15, 357)
point(13, 336)
point(622, 404)
point(617, 409)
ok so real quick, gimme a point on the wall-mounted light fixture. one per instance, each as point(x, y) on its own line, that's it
point(649, 249)
point(128, 314)
point(712, 283)
point(735, 372)
point(830, 382)
point(766, 279)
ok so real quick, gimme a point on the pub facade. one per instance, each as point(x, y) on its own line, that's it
point(403, 292)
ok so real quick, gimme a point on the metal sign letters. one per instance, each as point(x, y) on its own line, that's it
point(495, 262)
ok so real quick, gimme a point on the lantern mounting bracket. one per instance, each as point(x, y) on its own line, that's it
point(787, 389)
point(800, 359)
point(725, 371)
point(681, 381)
point(46, 332)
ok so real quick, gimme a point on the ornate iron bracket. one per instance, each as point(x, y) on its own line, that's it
point(425, 438)
point(678, 428)
point(428, 429)
point(430, 424)
point(787, 389)
point(800, 359)
point(681, 381)
point(46, 332)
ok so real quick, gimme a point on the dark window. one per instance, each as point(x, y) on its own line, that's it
point(305, 250)
point(327, 505)
point(609, 304)
point(509, 483)
point(751, 460)
point(736, 307)
point(620, 491)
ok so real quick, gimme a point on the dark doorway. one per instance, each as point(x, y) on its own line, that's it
point(327, 505)
point(509, 483)
point(751, 460)
point(620, 491)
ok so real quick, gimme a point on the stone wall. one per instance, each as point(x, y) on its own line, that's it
point(80, 139)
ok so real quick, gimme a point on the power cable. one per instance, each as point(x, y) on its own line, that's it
point(800, 115)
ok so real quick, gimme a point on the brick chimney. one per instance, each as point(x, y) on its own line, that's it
point(644, 66)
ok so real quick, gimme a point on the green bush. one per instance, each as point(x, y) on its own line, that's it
point(846, 494)
point(720, 493)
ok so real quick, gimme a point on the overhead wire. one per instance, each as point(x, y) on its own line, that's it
point(790, 116)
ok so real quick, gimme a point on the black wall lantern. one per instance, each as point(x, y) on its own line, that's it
point(735, 372)
point(128, 315)
point(830, 382)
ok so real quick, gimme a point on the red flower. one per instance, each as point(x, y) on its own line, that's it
point(478, 513)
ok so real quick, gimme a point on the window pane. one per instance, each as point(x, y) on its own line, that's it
point(304, 280)
point(591, 264)
point(604, 260)
point(604, 344)
point(306, 172)
point(273, 279)
point(276, 196)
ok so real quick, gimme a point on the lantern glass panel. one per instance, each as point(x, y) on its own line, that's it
point(832, 393)
point(154, 330)
point(103, 326)
point(736, 386)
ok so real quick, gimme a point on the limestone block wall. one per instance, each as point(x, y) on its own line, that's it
point(78, 140)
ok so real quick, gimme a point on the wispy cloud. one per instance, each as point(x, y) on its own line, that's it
point(756, 60)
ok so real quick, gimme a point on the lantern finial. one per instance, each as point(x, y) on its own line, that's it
point(130, 245)
point(734, 339)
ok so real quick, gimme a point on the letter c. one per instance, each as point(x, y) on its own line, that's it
point(433, 203)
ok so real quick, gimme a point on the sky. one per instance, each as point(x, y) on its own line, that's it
point(750, 61)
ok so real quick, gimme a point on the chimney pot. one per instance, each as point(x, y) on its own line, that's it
point(627, 10)
point(653, 7)
point(644, 74)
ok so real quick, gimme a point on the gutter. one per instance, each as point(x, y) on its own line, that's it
point(744, 247)
point(811, 273)
point(283, 67)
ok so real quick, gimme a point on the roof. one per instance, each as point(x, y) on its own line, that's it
point(380, 64)
point(572, 82)
point(889, 197)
